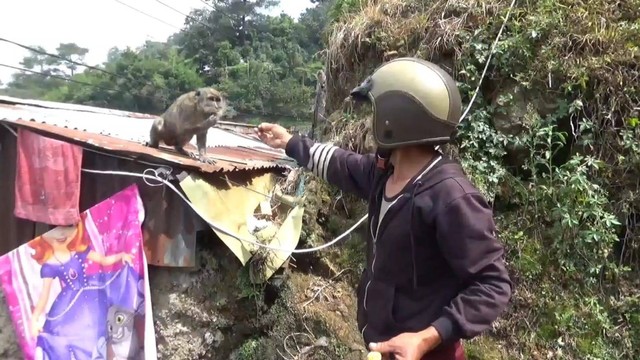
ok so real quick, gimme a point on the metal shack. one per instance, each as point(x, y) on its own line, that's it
point(113, 141)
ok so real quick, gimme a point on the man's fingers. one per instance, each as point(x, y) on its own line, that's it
point(383, 347)
point(266, 126)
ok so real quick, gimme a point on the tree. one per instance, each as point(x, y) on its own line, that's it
point(243, 14)
point(73, 52)
point(265, 64)
point(36, 60)
point(43, 77)
point(146, 80)
point(253, 57)
point(313, 22)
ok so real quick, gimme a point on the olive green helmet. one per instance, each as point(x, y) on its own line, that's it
point(414, 102)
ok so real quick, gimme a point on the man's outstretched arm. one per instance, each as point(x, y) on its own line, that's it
point(347, 170)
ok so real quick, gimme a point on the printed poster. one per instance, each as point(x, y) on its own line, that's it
point(78, 292)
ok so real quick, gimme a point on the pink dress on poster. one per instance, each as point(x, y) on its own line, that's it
point(78, 292)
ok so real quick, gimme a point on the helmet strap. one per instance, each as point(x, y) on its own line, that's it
point(383, 156)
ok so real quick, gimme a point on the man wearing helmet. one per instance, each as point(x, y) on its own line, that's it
point(435, 272)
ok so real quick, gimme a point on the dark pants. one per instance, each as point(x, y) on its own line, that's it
point(449, 352)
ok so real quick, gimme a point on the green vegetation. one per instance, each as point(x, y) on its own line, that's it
point(265, 64)
point(552, 139)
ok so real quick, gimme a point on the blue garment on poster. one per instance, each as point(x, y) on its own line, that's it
point(77, 317)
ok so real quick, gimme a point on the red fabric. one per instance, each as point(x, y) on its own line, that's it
point(47, 179)
point(451, 352)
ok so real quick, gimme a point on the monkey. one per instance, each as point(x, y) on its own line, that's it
point(190, 114)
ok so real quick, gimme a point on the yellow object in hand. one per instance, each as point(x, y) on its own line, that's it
point(374, 355)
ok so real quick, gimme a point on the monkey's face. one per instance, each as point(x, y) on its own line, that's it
point(211, 102)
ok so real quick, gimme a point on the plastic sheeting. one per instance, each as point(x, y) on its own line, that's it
point(232, 206)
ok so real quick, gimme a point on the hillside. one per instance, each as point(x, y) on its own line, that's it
point(552, 140)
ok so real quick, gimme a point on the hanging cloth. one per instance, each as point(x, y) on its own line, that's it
point(47, 179)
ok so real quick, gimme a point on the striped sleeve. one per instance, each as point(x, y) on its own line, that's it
point(319, 156)
point(347, 170)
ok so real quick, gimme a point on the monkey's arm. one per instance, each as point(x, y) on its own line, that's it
point(201, 141)
point(205, 125)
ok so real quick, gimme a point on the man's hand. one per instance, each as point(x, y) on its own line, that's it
point(409, 346)
point(273, 135)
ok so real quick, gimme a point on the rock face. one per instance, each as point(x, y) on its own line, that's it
point(519, 107)
point(197, 313)
point(215, 312)
point(8, 343)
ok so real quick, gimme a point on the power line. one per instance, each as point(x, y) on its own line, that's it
point(217, 9)
point(64, 59)
point(56, 56)
point(185, 15)
point(124, 92)
point(209, 5)
point(149, 15)
point(55, 77)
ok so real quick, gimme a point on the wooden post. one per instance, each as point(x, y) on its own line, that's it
point(320, 103)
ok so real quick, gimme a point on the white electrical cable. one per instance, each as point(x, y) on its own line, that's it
point(486, 65)
point(157, 177)
point(217, 227)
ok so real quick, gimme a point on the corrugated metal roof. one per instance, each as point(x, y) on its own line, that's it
point(126, 132)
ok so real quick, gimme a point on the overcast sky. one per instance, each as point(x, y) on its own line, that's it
point(95, 24)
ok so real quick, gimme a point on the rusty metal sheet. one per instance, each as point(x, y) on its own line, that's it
point(124, 132)
point(227, 158)
point(120, 146)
